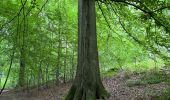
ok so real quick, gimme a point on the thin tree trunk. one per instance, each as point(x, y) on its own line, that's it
point(72, 69)
point(58, 61)
point(39, 75)
point(47, 77)
point(59, 52)
point(87, 84)
point(22, 69)
point(65, 62)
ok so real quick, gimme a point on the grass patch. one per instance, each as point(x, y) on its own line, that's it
point(110, 73)
point(165, 95)
point(151, 77)
point(132, 83)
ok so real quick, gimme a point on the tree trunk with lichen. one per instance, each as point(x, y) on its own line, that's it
point(87, 84)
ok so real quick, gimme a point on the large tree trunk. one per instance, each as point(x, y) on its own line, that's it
point(87, 84)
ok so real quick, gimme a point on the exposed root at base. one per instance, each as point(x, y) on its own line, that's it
point(87, 94)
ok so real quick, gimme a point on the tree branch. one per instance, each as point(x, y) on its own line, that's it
point(145, 10)
point(19, 12)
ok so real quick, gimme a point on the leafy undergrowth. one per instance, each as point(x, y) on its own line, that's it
point(110, 73)
point(144, 86)
point(151, 77)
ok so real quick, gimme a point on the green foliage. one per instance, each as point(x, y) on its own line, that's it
point(150, 77)
point(164, 96)
point(144, 65)
point(110, 73)
point(135, 40)
point(153, 77)
point(131, 83)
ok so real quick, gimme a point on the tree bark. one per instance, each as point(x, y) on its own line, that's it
point(73, 68)
point(87, 84)
point(58, 58)
point(65, 62)
point(22, 68)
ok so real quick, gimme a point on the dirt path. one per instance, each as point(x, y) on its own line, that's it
point(117, 87)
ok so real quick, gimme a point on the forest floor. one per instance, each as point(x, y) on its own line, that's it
point(118, 87)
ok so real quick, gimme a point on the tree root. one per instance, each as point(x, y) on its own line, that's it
point(82, 93)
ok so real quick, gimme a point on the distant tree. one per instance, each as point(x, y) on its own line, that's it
point(21, 81)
